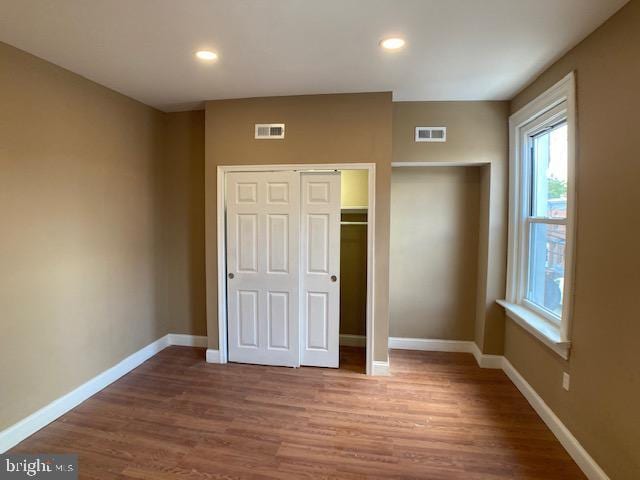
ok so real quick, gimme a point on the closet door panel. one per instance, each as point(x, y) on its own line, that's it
point(317, 321)
point(263, 235)
point(320, 212)
point(318, 243)
point(278, 317)
point(247, 243)
point(278, 243)
point(248, 318)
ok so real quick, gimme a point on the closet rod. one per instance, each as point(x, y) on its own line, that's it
point(353, 223)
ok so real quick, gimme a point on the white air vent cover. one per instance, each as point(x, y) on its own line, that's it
point(431, 134)
point(269, 130)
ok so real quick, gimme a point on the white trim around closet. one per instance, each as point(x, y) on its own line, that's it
point(222, 170)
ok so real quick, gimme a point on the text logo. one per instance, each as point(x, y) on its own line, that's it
point(40, 466)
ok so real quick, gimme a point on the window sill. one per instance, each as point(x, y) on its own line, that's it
point(537, 326)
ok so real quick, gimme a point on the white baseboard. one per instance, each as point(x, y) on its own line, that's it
point(349, 340)
point(380, 369)
point(28, 426)
point(434, 345)
point(17, 432)
point(586, 463)
point(213, 356)
point(431, 345)
point(187, 340)
point(485, 360)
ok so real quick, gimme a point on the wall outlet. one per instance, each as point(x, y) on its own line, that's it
point(565, 381)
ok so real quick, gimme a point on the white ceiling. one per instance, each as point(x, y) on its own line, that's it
point(456, 49)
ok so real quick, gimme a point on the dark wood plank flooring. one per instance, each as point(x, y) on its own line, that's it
point(439, 416)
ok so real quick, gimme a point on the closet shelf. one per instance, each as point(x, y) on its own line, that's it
point(354, 209)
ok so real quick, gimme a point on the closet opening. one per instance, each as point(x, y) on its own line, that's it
point(295, 265)
point(353, 268)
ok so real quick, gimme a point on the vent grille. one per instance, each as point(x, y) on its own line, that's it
point(431, 134)
point(269, 130)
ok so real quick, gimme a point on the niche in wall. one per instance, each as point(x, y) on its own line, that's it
point(435, 221)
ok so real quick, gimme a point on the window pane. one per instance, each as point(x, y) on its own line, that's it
point(549, 172)
point(546, 266)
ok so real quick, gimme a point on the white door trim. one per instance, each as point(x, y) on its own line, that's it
point(222, 170)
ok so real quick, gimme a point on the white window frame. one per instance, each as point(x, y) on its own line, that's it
point(555, 105)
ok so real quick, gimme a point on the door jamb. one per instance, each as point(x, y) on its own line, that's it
point(222, 170)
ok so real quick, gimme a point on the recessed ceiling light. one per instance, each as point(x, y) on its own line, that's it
point(207, 55)
point(392, 43)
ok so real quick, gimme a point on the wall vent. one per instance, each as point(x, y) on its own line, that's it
point(269, 130)
point(431, 134)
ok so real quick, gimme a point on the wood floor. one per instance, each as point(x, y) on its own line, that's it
point(439, 416)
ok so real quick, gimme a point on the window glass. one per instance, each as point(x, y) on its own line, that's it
point(546, 262)
point(549, 173)
point(546, 266)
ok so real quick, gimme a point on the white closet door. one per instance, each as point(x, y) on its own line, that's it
point(263, 230)
point(320, 269)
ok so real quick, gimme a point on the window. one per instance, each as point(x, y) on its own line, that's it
point(541, 215)
point(546, 221)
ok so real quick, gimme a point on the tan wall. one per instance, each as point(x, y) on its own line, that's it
point(601, 408)
point(82, 282)
point(476, 133)
point(354, 188)
point(184, 200)
point(434, 252)
point(353, 277)
point(360, 127)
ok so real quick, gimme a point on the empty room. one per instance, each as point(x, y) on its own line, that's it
point(347, 239)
